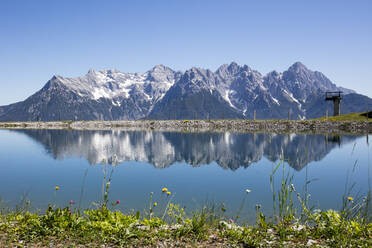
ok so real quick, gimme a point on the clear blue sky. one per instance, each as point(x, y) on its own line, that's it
point(41, 38)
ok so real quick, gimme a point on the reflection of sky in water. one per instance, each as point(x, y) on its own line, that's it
point(224, 165)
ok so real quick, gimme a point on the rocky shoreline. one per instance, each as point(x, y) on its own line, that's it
point(274, 126)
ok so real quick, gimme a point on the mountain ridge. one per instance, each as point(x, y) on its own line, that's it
point(231, 91)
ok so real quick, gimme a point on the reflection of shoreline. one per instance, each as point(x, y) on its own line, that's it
point(162, 149)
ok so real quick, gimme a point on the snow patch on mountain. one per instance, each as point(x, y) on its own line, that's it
point(227, 98)
point(291, 96)
point(275, 100)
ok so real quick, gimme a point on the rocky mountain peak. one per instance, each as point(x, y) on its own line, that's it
point(297, 67)
point(300, 74)
point(273, 74)
point(161, 73)
point(91, 71)
point(228, 69)
point(233, 67)
point(111, 71)
point(54, 82)
point(160, 67)
point(56, 78)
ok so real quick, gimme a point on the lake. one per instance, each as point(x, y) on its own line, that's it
point(198, 168)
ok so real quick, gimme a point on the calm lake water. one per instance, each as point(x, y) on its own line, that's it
point(198, 168)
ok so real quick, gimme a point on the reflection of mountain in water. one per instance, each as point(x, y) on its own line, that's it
point(162, 149)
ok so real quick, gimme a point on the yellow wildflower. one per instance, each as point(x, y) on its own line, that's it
point(57, 188)
point(155, 204)
point(168, 193)
point(164, 190)
point(350, 198)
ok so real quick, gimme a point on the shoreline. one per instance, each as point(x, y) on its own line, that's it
point(242, 126)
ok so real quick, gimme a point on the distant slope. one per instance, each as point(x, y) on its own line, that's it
point(349, 117)
point(350, 103)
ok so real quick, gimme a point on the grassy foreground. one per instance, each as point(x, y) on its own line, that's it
point(94, 228)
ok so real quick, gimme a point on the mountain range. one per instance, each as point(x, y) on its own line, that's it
point(232, 91)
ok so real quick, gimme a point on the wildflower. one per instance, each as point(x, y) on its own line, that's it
point(258, 206)
point(164, 190)
point(223, 209)
point(293, 187)
point(168, 193)
point(231, 220)
point(155, 204)
point(118, 202)
point(71, 202)
point(57, 188)
point(350, 198)
point(248, 191)
point(69, 212)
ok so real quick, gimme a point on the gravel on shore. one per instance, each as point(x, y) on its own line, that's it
point(244, 126)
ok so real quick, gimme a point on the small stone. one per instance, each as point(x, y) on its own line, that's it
point(144, 228)
point(140, 226)
point(269, 242)
point(311, 242)
point(164, 227)
point(176, 226)
point(212, 237)
point(230, 226)
point(298, 227)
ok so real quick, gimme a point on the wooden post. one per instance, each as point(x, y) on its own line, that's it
point(327, 114)
point(289, 114)
point(254, 115)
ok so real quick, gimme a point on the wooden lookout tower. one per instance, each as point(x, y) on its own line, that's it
point(336, 97)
